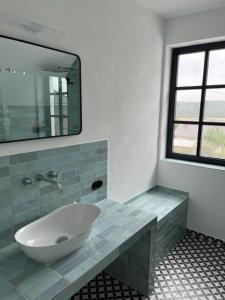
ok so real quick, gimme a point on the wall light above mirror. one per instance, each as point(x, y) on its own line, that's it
point(40, 91)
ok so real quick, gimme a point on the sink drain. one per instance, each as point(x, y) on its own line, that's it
point(61, 239)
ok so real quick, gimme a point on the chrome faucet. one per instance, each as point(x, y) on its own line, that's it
point(40, 177)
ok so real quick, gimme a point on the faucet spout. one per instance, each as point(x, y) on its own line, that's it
point(40, 177)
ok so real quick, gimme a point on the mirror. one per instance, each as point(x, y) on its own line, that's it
point(40, 91)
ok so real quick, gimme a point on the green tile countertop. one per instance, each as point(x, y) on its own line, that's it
point(159, 201)
point(116, 230)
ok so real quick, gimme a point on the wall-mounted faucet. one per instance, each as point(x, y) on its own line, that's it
point(40, 177)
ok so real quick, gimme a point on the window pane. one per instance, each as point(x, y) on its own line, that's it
point(213, 142)
point(214, 105)
point(64, 105)
point(216, 68)
point(54, 84)
point(185, 139)
point(54, 105)
point(188, 105)
point(190, 69)
point(64, 85)
point(65, 126)
point(55, 126)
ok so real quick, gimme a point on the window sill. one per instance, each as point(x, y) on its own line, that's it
point(193, 164)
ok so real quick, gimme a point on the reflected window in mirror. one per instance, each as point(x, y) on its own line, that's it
point(58, 106)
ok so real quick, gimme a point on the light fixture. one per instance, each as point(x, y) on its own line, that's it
point(31, 26)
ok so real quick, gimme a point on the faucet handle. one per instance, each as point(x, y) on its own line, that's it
point(52, 174)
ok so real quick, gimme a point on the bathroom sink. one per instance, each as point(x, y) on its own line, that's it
point(59, 233)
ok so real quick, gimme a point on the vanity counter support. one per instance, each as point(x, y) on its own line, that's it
point(118, 229)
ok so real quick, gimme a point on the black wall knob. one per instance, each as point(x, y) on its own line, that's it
point(96, 185)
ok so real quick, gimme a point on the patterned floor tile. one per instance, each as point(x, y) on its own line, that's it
point(193, 270)
point(104, 287)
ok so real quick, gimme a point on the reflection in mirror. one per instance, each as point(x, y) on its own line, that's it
point(39, 92)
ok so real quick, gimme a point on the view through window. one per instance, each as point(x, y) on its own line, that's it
point(58, 105)
point(196, 121)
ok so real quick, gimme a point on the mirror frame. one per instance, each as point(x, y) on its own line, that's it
point(80, 77)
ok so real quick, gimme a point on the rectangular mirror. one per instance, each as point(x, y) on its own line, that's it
point(40, 91)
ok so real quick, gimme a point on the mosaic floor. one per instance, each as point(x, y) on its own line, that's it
point(194, 270)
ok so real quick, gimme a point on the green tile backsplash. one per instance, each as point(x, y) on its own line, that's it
point(77, 167)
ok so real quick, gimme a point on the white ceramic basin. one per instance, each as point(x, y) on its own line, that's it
point(58, 233)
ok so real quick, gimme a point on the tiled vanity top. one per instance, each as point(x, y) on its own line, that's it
point(159, 201)
point(117, 228)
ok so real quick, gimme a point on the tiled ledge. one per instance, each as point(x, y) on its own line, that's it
point(170, 207)
point(117, 229)
point(159, 200)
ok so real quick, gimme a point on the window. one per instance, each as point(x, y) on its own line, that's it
point(58, 106)
point(196, 121)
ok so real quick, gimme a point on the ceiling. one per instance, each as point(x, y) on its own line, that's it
point(176, 8)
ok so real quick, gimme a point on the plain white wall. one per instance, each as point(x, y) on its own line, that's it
point(206, 185)
point(120, 44)
point(196, 27)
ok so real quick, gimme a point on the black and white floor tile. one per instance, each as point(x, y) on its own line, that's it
point(193, 270)
point(104, 287)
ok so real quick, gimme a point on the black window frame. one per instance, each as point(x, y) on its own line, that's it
point(172, 102)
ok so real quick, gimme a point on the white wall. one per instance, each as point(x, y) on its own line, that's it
point(206, 185)
point(120, 44)
point(196, 27)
